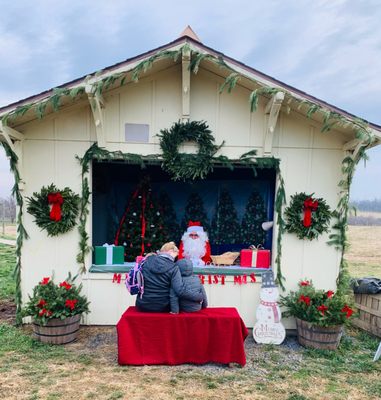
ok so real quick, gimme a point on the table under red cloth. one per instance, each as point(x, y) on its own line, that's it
point(210, 335)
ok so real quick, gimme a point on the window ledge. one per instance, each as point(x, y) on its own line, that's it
point(207, 270)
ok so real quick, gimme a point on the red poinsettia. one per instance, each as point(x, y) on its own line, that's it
point(305, 299)
point(66, 285)
point(71, 304)
point(46, 312)
point(305, 283)
point(330, 293)
point(347, 310)
point(323, 308)
point(41, 303)
point(45, 281)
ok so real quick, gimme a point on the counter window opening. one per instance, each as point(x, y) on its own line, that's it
point(129, 202)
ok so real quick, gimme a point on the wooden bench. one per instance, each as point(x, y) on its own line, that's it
point(211, 335)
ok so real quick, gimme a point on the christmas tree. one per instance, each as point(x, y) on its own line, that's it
point(172, 230)
point(141, 228)
point(255, 215)
point(225, 225)
point(194, 211)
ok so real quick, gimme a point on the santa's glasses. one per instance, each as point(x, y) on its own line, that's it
point(193, 235)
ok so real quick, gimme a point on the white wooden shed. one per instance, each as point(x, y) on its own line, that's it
point(180, 80)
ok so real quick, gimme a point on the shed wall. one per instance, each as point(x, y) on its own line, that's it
point(310, 162)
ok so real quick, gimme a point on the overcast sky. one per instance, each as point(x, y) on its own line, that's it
point(328, 48)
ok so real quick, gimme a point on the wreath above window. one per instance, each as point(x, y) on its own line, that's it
point(306, 216)
point(188, 166)
point(54, 210)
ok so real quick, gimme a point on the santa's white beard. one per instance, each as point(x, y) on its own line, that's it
point(194, 248)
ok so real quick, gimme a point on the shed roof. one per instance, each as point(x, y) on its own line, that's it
point(188, 36)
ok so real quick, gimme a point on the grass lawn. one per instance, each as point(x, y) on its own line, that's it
point(88, 369)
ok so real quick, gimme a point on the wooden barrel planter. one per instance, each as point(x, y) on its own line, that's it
point(58, 331)
point(317, 337)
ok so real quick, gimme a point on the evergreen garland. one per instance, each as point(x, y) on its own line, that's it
point(225, 225)
point(188, 166)
point(319, 219)
point(280, 201)
point(251, 226)
point(38, 206)
point(21, 232)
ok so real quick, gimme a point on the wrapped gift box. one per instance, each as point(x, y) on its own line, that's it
point(258, 258)
point(108, 254)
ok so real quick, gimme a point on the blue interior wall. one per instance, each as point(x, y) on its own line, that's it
point(113, 184)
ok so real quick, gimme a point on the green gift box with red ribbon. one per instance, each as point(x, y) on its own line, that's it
point(256, 257)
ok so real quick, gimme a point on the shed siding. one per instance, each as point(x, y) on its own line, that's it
point(310, 162)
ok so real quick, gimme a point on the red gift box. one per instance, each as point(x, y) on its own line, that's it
point(255, 257)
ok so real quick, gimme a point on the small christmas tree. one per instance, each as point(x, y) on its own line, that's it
point(194, 211)
point(141, 228)
point(255, 215)
point(172, 230)
point(225, 225)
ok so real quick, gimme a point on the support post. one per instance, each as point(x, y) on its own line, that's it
point(272, 110)
point(97, 105)
point(185, 61)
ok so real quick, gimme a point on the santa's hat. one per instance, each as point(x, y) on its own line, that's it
point(194, 226)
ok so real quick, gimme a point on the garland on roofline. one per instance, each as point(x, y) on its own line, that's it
point(21, 232)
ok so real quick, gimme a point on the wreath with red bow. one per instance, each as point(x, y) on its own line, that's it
point(54, 210)
point(307, 216)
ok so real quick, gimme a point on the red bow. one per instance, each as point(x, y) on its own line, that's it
point(194, 223)
point(57, 200)
point(309, 205)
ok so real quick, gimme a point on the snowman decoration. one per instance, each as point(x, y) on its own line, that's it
point(268, 328)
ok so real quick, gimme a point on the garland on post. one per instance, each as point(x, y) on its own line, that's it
point(307, 217)
point(21, 232)
point(280, 201)
point(63, 214)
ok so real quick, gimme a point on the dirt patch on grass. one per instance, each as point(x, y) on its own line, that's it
point(7, 312)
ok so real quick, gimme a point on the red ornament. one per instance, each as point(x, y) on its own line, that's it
point(309, 206)
point(56, 200)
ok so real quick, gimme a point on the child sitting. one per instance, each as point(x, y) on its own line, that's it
point(192, 283)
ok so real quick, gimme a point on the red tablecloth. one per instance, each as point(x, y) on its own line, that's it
point(210, 335)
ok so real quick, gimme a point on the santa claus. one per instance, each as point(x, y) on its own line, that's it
point(195, 245)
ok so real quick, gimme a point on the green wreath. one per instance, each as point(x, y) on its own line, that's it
point(188, 166)
point(54, 210)
point(306, 216)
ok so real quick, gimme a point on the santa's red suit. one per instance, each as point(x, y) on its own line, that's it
point(195, 245)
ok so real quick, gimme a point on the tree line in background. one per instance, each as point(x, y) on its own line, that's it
point(8, 209)
point(365, 206)
point(149, 221)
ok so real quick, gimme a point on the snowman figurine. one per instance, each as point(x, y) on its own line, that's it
point(268, 328)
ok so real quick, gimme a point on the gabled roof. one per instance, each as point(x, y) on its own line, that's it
point(189, 37)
